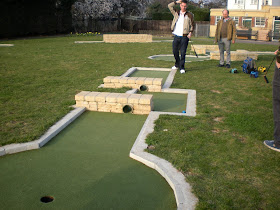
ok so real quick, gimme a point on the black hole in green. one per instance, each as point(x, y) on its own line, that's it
point(127, 109)
point(143, 88)
point(47, 199)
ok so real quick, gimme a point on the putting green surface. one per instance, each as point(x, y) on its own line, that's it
point(85, 167)
point(151, 74)
point(188, 58)
point(168, 102)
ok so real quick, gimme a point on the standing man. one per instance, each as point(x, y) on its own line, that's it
point(182, 27)
point(225, 34)
point(275, 145)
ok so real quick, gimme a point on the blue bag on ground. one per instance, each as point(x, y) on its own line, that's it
point(248, 65)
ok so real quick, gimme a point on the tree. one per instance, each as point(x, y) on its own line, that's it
point(108, 9)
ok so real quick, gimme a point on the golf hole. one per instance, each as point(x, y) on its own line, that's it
point(127, 109)
point(47, 199)
point(143, 88)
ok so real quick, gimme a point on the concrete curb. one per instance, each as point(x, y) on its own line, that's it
point(88, 42)
point(169, 79)
point(7, 45)
point(52, 132)
point(152, 69)
point(129, 72)
point(182, 190)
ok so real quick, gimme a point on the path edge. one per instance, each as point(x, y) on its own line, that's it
point(185, 199)
point(45, 138)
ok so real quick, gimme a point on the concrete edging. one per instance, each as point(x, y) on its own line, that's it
point(182, 190)
point(7, 45)
point(88, 42)
point(51, 132)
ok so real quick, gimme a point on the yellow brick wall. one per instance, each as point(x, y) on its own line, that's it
point(122, 38)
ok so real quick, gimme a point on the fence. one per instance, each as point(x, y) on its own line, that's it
point(163, 27)
point(202, 30)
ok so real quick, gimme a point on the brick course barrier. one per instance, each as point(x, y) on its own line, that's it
point(122, 38)
point(151, 84)
point(115, 102)
point(202, 49)
point(238, 55)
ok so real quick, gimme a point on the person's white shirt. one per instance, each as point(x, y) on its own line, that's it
point(179, 27)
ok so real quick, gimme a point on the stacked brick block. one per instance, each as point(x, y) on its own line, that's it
point(263, 35)
point(152, 84)
point(202, 49)
point(238, 55)
point(115, 102)
point(123, 38)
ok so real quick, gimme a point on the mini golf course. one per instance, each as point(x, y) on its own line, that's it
point(87, 165)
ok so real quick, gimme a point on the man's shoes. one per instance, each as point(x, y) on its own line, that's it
point(174, 68)
point(182, 71)
point(270, 144)
point(227, 66)
point(221, 65)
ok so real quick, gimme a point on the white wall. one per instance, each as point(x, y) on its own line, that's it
point(276, 3)
point(244, 4)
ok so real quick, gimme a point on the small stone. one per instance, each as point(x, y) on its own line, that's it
point(151, 147)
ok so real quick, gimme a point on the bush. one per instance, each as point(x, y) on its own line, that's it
point(162, 16)
point(200, 15)
point(157, 12)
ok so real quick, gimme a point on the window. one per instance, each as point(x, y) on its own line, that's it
point(254, 1)
point(236, 19)
point(260, 22)
point(239, 2)
point(217, 19)
point(247, 22)
point(266, 2)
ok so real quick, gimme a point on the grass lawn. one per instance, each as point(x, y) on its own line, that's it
point(220, 151)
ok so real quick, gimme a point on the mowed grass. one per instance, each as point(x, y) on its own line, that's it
point(220, 151)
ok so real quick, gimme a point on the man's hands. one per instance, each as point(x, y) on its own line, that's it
point(190, 35)
point(233, 41)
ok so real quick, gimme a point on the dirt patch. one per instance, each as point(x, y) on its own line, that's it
point(216, 91)
point(219, 119)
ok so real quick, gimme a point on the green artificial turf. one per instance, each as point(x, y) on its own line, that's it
point(151, 74)
point(85, 167)
point(168, 102)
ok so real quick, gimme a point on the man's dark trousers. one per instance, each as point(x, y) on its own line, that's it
point(180, 43)
point(276, 106)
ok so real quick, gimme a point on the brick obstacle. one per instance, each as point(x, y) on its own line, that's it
point(238, 55)
point(202, 49)
point(115, 102)
point(140, 83)
point(123, 38)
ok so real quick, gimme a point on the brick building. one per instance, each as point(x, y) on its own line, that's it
point(254, 15)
